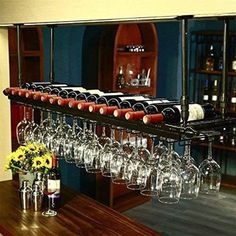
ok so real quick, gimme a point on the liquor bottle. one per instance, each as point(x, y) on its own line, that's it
point(206, 92)
point(215, 95)
point(232, 104)
point(120, 78)
point(172, 114)
point(210, 59)
point(220, 60)
point(54, 183)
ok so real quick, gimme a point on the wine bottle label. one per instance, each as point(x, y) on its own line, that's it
point(164, 101)
point(199, 112)
point(234, 65)
point(136, 98)
point(214, 98)
point(95, 91)
point(205, 97)
point(233, 100)
point(108, 94)
point(54, 185)
point(195, 112)
point(153, 102)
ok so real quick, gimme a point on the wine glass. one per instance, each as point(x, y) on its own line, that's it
point(118, 162)
point(20, 128)
point(128, 148)
point(71, 143)
point(209, 173)
point(170, 175)
point(136, 169)
point(92, 150)
point(107, 152)
point(189, 174)
point(83, 138)
point(29, 129)
point(49, 190)
point(153, 180)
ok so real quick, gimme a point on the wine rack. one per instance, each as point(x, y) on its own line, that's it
point(197, 130)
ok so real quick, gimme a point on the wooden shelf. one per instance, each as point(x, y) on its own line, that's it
point(111, 56)
point(223, 147)
point(140, 54)
point(215, 72)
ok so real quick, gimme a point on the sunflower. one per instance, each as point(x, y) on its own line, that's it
point(38, 162)
point(18, 155)
point(48, 160)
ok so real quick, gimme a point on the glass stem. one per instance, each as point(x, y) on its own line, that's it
point(121, 134)
point(84, 126)
point(73, 125)
point(152, 147)
point(103, 131)
point(112, 134)
point(209, 157)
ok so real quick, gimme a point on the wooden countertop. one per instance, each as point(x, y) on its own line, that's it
point(79, 215)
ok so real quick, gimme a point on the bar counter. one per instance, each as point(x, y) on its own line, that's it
point(78, 215)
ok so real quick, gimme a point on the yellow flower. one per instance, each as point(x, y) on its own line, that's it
point(38, 162)
point(48, 160)
point(18, 155)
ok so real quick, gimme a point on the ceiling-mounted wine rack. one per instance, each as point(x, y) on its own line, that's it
point(193, 130)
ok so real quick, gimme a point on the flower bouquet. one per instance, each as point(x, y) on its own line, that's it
point(29, 159)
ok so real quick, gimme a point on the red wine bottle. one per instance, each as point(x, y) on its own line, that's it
point(63, 93)
point(54, 183)
point(115, 103)
point(140, 109)
point(47, 90)
point(172, 114)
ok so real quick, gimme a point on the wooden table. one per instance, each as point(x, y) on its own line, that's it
point(79, 215)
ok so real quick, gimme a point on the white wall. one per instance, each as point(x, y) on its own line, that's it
point(5, 121)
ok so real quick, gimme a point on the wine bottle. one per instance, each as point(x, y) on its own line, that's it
point(103, 101)
point(47, 90)
point(63, 93)
point(232, 104)
point(125, 105)
point(120, 78)
point(140, 109)
point(86, 95)
point(121, 104)
point(115, 101)
point(172, 114)
point(206, 92)
point(234, 63)
point(39, 89)
point(210, 59)
point(54, 183)
point(214, 95)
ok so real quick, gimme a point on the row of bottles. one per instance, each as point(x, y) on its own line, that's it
point(211, 94)
point(213, 62)
point(128, 106)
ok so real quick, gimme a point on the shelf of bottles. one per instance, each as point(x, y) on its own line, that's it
point(208, 68)
point(195, 129)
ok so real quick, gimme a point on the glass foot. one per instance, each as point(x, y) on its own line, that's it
point(49, 213)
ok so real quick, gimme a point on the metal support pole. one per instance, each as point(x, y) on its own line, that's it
point(19, 59)
point(184, 54)
point(225, 69)
point(52, 73)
